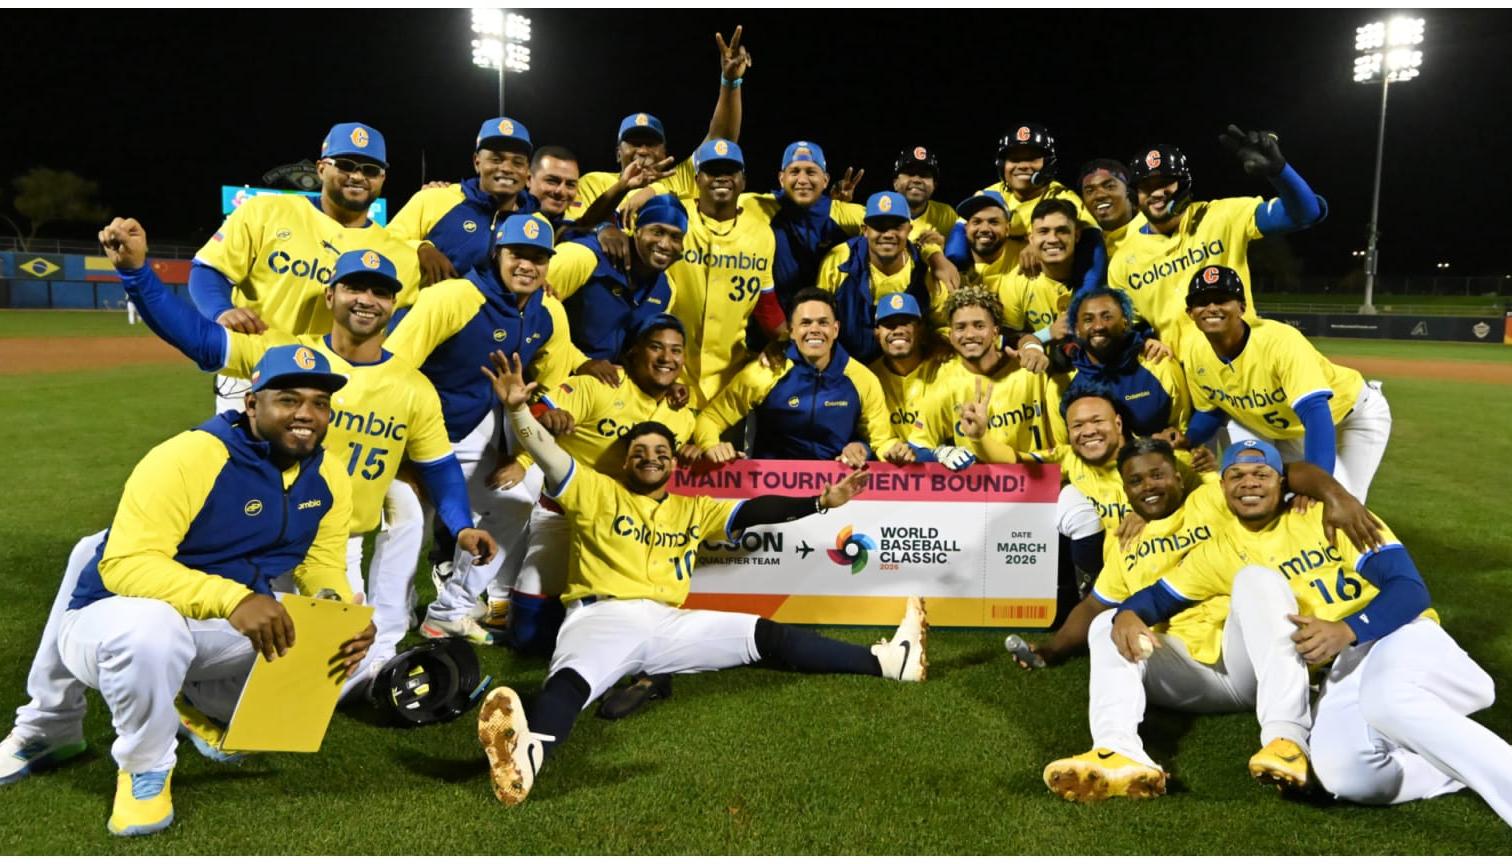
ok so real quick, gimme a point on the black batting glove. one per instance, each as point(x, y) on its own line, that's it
point(1258, 152)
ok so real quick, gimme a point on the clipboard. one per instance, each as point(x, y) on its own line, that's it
point(286, 704)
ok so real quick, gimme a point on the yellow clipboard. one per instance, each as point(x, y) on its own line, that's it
point(287, 703)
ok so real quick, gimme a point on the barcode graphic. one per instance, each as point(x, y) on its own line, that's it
point(1022, 611)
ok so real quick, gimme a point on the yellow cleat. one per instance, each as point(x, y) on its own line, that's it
point(1282, 764)
point(143, 803)
point(1100, 774)
point(497, 616)
point(203, 732)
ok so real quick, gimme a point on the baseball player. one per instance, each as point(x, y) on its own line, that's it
point(816, 402)
point(1109, 351)
point(1035, 301)
point(726, 265)
point(1155, 263)
point(907, 371)
point(1110, 198)
point(1267, 377)
point(178, 595)
point(1392, 721)
point(387, 411)
point(882, 261)
point(915, 174)
point(589, 418)
point(633, 549)
point(452, 226)
point(269, 263)
point(553, 183)
point(448, 334)
point(642, 138)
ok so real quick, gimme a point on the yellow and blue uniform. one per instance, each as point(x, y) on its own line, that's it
point(907, 396)
point(1152, 394)
point(1113, 239)
point(631, 547)
point(1019, 212)
point(725, 267)
point(1103, 484)
point(603, 414)
point(937, 216)
point(1155, 269)
point(803, 235)
point(596, 183)
point(1031, 303)
point(457, 323)
point(1156, 552)
point(206, 519)
point(1017, 412)
point(459, 220)
point(1261, 388)
point(847, 272)
point(801, 411)
point(1332, 582)
point(604, 304)
point(278, 252)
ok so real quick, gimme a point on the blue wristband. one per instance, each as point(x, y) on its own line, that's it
point(733, 85)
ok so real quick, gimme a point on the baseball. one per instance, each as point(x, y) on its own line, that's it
point(1146, 647)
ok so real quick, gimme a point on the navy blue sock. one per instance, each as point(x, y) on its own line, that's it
point(533, 622)
point(805, 651)
point(557, 706)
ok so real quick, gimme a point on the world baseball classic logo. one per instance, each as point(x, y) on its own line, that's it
point(850, 549)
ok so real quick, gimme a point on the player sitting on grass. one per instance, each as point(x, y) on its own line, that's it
point(1214, 657)
point(633, 549)
point(1392, 722)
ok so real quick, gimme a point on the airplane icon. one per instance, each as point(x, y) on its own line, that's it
point(804, 549)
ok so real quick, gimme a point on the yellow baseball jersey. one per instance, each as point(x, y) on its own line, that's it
point(1103, 484)
point(1156, 552)
point(1019, 218)
point(883, 284)
point(937, 216)
point(602, 415)
point(1112, 240)
point(1018, 413)
point(1156, 269)
point(278, 251)
point(387, 412)
point(634, 547)
point(724, 267)
point(1032, 302)
point(908, 396)
point(1324, 577)
point(595, 183)
point(1261, 387)
point(847, 214)
point(1167, 372)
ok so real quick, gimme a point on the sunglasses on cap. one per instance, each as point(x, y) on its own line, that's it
point(370, 170)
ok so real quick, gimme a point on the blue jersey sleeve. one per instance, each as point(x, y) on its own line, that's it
point(445, 485)
point(1091, 259)
point(1402, 597)
point(957, 247)
point(210, 291)
point(1155, 603)
point(1203, 426)
point(175, 321)
point(1296, 205)
point(1317, 431)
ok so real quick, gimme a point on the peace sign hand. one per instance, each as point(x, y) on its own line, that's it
point(733, 59)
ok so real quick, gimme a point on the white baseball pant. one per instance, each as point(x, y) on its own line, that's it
point(1392, 723)
point(1075, 517)
point(608, 639)
point(139, 653)
point(56, 710)
point(1359, 441)
point(1258, 668)
point(543, 572)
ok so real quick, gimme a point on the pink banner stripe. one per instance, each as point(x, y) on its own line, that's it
point(928, 482)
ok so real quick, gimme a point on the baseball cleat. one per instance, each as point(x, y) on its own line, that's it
point(1097, 775)
point(466, 627)
point(902, 657)
point(19, 757)
point(514, 752)
point(496, 616)
point(1282, 764)
point(204, 733)
point(143, 803)
point(439, 574)
point(621, 702)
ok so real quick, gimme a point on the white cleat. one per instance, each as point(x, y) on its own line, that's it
point(466, 627)
point(903, 657)
point(19, 757)
point(514, 752)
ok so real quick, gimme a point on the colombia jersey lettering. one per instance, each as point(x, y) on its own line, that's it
point(1017, 411)
point(1032, 303)
point(908, 396)
point(602, 415)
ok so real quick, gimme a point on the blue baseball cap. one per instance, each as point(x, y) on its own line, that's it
point(368, 263)
point(717, 150)
point(662, 210)
point(894, 305)
point(980, 201)
point(1236, 454)
point(804, 151)
point(642, 122)
point(889, 206)
point(287, 366)
point(503, 133)
point(354, 139)
point(525, 230)
point(661, 321)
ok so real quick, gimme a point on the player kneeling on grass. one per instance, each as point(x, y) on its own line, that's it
point(178, 594)
point(1391, 724)
point(633, 549)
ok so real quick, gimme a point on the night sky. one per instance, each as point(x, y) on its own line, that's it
point(162, 108)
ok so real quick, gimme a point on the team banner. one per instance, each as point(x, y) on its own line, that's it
point(979, 544)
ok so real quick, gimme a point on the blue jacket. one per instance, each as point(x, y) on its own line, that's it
point(611, 305)
point(471, 249)
point(857, 312)
point(802, 416)
point(1125, 375)
point(803, 235)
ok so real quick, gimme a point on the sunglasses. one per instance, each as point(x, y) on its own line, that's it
point(370, 170)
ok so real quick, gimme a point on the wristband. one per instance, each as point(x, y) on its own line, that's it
point(1035, 345)
point(732, 84)
point(819, 507)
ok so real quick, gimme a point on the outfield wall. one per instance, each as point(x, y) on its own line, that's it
point(1418, 328)
point(32, 280)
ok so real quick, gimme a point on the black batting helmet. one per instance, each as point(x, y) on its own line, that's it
point(432, 683)
point(1163, 161)
point(917, 158)
point(1215, 280)
point(1029, 135)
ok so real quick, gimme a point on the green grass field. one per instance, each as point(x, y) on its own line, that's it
point(748, 761)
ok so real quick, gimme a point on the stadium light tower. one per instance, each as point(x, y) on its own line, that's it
point(1385, 52)
point(501, 43)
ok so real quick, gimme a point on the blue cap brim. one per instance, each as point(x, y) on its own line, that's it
point(327, 381)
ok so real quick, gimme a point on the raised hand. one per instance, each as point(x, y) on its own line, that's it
point(734, 59)
point(845, 190)
point(1259, 152)
point(836, 495)
point(974, 412)
point(125, 243)
point(508, 379)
